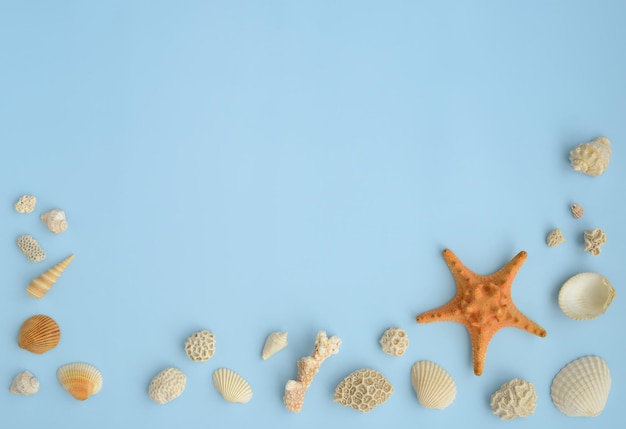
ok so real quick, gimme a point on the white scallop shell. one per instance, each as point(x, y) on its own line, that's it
point(276, 341)
point(586, 296)
point(434, 387)
point(25, 384)
point(591, 158)
point(232, 386)
point(582, 387)
point(55, 220)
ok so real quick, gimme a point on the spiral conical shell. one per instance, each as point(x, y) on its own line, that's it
point(81, 380)
point(276, 341)
point(39, 334)
point(591, 158)
point(434, 387)
point(42, 284)
point(55, 220)
point(232, 386)
point(25, 384)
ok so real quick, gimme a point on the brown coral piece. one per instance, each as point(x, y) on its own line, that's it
point(363, 390)
point(307, 368)
point(483, 304)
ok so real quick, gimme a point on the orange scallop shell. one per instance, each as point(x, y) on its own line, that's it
point(39, 334)
point(80, 379)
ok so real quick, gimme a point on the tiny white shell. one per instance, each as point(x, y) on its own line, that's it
point(586, 296)
point(581, 388)
point(25, 384)
point(232, 386)
point(276, 341)
point(55, 220)
point(434, 387)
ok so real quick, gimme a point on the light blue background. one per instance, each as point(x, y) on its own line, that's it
point(247, 167)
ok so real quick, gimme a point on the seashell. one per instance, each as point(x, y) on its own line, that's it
point(517, 398)
point(577, 211)
point(232, 386)
point(39, 334)
point(394, 341)
point(276, 341)
point(594, 238)
point(25, 384)
point(167, 385)
point(554, 238)
point(591, 158)
point(55, 220)
point(363, 390)
point(586, 296)
point(81, 380)
point(26, 204)
point(29, 247)
point(200, 346)
point(42, 284)
point(434, 387)
point(582, 387)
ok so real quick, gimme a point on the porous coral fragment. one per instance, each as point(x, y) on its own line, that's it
point(554, 238)
point(363, 390)
point(200, 346)
point(483, 304)
point(29, 247)
point(26, 204)
point(516, 398)
point(167, 385)
point(594, 238)
point(394, 341)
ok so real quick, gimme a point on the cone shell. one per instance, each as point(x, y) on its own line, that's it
point(232, 386)
point(39, 334)
point(81, 380)
point(434, 387)
point(582, 387)
point(586, 296)
point(25, 384)
point(42, 284)
point(55, 220)
point(276, 341)
point(591, 158)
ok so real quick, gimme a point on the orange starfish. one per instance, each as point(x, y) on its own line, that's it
point(483, 304)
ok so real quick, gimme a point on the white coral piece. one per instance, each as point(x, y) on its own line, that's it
point(25, 384)
point(29, 247)
point(516, 398)
point(167, 385)
point(577, 211)
point(363, 390)
point(200, 346)
point(394, 341)
point(26, 204)
point(594, 238)
point(554, 238)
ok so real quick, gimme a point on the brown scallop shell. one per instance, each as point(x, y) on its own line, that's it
point(39, 334)
point(80, 379)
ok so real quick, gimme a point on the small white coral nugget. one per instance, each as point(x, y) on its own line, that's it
point(394, 341)
point(577, 211)
point(200, 346)
point(363, 390)
point(29, 247)
point(26, 204)
point(307, 368)
point(554, 238)
point(25, 384)
point(167, 385)
point(276, 341)
point(591, 158)
point(55, 220)
point(594, 238)
point(516, 398)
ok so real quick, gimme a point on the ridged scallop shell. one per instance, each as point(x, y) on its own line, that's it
point(29, 247)
point(516, 398)
point(586, 296)
point(167, 385)
point(554, 238)
point(55, 220)
point(577, 211)
point(276, 341)
point(434, 387)
point(24, 383)
point(81, 380)
point(42, 284)
point(582, 387)
point(26, 204)
point(591, 158)
point(39, 334)
point(232, 386)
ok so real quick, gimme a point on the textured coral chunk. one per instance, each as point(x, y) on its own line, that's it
point(554, 238)
point(26, 204)
point(29, 247)
point(200, 346)
point(167, 385)
point(594, 238)
point(394, 341)
point(517, 398)
point(577, 211)
point(363, 390)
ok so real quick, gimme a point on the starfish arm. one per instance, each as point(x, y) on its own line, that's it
point(480, 342)
point(520, 321)
point(508, 272)
point(446, 313)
